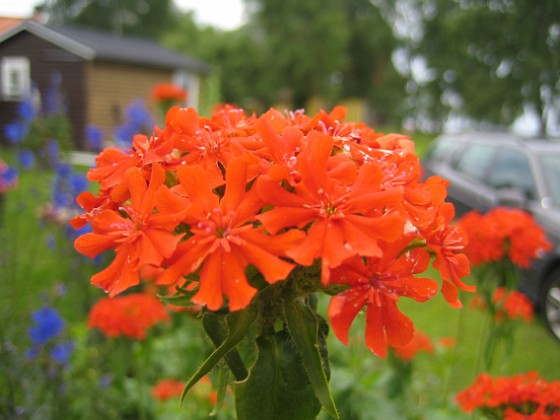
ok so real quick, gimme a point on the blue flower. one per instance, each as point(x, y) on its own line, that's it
point(51, 241)
point(94, 137)
point(137, 114)
point(52, 152)
point(67, 185)
point(15, 131)
point(26, 159)
point(32, 353)
point(8, 175)
point(26, 110)
point(105, 381)
point(48, 324)
point(137, 120)
point(62, 351)
point(78, 184)
point(53, 101)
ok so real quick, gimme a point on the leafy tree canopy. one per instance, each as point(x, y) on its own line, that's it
point(497, 56)
point(147, 18)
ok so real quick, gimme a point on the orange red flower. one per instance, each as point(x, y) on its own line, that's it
point(419, 342)
point(503, 233)
point(524, 396)
point(507, 305)
point(377, 285)
point(128, 316)
point(224, 240)
point(140, 236)
point(166, 389)
point(167, 91)
point(220, 197)
point(513, 305)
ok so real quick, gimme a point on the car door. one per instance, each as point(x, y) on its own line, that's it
point(511, 170)
point(467, 174)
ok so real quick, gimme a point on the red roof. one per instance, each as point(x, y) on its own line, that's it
point(7, 23)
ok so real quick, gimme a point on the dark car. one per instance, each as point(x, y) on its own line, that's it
point(487, 170)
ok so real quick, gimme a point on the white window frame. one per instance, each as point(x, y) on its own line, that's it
point(16, 78)
point(191, 82)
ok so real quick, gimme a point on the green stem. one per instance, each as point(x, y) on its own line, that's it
point(458, 335)
point(140, 362)
point(484, 329)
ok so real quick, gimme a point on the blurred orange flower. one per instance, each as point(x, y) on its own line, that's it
point(128, 316)
point(167, 91)
point(419, 342)
point(524, 396)
point(168, 388)
point(503, 233)
point(512, 305)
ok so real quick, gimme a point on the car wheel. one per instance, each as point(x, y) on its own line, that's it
point(551, 303)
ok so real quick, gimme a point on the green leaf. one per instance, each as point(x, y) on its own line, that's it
point(277, 386)
point(238, 324)
point(215, 327)
point(303, 326)
point(179, 300)
point(223, 380)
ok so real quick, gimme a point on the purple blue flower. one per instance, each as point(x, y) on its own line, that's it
point(15, 131)
point(61, 352)
point(48, 324)
point(53, 101)
point(94, 138)
point(26, 159)
point(8, 177)
point(137, 120)
point(26, 110)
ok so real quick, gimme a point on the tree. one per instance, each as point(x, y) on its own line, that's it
point(496, 58)
point(305, 44)
point(369, 72)
point(147, 18)
point(290, 52)
point(238, 57)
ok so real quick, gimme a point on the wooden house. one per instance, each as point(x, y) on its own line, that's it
point(99, 73)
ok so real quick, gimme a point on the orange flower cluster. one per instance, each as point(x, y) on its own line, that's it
point(168, 92)
point(503, 233)
point(129, 316)
point(518, 397)
point(512, 305)
point(507, 305)
point(419, 342)
point(208, 197)
point(169, 388)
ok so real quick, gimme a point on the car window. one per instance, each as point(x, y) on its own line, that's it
point(475, 160)
point(551, 169)
point(440, 149)
point(511, 169)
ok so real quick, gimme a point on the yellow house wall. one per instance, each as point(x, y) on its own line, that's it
point(112, 87)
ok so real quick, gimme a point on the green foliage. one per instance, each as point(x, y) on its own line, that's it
point(277, 386)
point(46, 128)
point(306, 44)
point(497, 56)
point(369, 72)
point(292, 52)
point(111, 378)
point(147, 18)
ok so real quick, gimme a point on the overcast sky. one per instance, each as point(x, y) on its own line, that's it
point(225, 14)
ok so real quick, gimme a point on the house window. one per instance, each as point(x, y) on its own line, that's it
point(16, 78)
point(190, 82)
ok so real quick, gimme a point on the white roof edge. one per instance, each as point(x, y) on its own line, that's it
point(52, 36)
